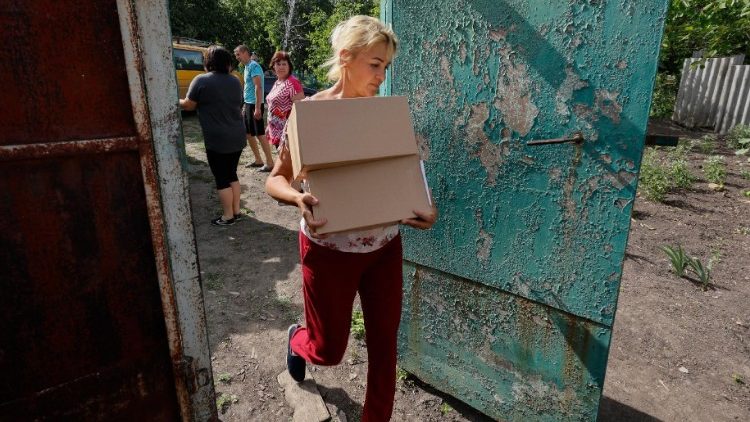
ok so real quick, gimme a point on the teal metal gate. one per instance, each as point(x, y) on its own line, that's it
point(532, 116)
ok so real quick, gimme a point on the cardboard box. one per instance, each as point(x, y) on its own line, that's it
point(369, 194)
point(330, 133)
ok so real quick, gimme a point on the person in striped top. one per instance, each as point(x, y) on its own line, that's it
point(286, 90)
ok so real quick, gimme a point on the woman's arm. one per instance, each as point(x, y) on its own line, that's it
point(188, 104)
point(278, 185)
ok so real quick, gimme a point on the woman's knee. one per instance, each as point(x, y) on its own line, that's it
point(330, 352)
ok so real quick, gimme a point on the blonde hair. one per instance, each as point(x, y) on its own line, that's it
point(354, 35)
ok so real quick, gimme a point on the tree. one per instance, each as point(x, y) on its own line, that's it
point(718, 27)
point(323, 24)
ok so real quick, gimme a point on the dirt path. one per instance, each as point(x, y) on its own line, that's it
point(252, 287)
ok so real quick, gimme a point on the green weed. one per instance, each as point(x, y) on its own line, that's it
point(681, 151)
point(739, 139)
point(746, 193)
point(703, 272)
point(224, 401)
point(745, 174)
point(401, 375)
point(737, 378)
point(445, 408)
point(225, 378)
point(680, 174)
point(654, 181)
point(678, 258)
point(706, 144)
point(358, 325)
point(715, 169)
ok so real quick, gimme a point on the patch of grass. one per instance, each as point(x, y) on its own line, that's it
point(224, 401)
point(746, 193)
point(212, 281)
point(743, 230)
point(358, 325)
point(737, 378)
point(706, 144)
point(745, 174)
point(715, 169)
point(445, 408)
point(678, 258)
point(225, 378)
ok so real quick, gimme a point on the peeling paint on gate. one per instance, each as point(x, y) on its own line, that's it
point(541, 225)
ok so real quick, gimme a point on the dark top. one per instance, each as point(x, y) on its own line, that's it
point(219, 98)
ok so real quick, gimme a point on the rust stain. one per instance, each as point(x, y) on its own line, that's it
point(514, 94)
point(67, 148)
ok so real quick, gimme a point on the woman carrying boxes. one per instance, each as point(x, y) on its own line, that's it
point(337, 266)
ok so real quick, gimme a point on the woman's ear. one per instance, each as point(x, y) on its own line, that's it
point(344, 57)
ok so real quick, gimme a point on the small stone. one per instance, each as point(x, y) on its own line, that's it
point(352, 376)
point(234, 293)
point(683, 370)
point(715, 187)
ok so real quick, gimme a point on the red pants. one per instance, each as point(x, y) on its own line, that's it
point(330, 281)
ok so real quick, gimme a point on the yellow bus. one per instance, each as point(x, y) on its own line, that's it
point(188, 62)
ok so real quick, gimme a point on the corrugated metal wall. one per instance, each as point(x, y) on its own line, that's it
point(735, 100)
point(713, 93)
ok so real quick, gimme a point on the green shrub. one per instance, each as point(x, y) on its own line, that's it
point(739, 139)
point(715, 169)
point(680, 175)
point(654, 179)
point(745, 174)
point(665, 95)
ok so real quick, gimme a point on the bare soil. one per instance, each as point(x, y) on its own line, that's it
point(678, 353)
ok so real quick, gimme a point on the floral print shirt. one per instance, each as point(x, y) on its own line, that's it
point(279, 106)
point(357, 241)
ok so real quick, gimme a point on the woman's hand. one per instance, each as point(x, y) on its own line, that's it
point(424, 220)
point(257, 114)
point(305, 203)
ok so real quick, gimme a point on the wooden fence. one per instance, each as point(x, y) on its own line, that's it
point(714, 93)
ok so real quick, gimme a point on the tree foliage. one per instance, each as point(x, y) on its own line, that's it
point(301, 27)
point(717, 27)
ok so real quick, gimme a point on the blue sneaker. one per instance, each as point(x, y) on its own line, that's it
point(294, 364)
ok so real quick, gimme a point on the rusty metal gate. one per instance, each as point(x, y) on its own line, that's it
point(101, 312)
point(531, 115)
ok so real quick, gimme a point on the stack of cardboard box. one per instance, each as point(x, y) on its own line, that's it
point(359, 157)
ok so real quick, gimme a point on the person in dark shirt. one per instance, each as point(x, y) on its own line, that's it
point(217, 95)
